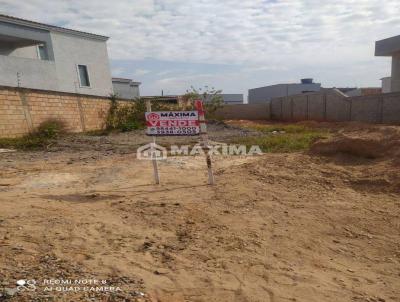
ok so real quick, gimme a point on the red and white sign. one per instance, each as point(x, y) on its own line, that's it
point(172, 123)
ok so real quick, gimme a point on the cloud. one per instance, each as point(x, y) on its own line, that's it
point(118, 71)
point(140, 72)
point(270, 36)
point(232, 31)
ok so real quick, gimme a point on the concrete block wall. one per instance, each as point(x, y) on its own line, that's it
point(338, 108)
point(22, 110)
point(391, 109)
point(300, 108)
point(95, 112)
point(367, 109)
point(329, 105)
point(335, 107)
point(244, 112)
point(12, 116)
point(44, 106)
point(286, 109)
point(316, 107)
point(276, 109)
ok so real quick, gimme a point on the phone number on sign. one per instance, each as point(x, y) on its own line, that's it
point(173, 131)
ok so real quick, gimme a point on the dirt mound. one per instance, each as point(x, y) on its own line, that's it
point(373, 153)
point(352, 146)
point(370, 145)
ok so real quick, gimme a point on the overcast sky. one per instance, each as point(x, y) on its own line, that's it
point(233, 45)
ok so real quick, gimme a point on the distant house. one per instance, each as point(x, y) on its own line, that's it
point(41, 56)
point(342, 89)
point(364, 91)
point(126, 88)
point(263, 94)
point(232, 98)
point(386, 84)
point(169, 99)
point(390, 47)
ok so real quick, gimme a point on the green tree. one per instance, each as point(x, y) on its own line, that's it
point(211, 98)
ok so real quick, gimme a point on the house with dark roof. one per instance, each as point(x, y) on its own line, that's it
point(41, 56)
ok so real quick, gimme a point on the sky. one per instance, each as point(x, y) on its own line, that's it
point(232, 45)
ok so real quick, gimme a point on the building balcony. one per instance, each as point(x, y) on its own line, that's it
point(28, 73)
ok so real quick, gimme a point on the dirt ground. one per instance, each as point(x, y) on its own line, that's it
point(310, 226)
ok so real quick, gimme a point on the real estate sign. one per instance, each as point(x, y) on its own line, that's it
point(172, 123)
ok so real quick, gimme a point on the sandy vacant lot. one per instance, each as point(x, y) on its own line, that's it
point(315, 226)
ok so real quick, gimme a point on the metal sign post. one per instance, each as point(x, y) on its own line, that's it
point(153, 152)
point(204, 139)
point(178, 123)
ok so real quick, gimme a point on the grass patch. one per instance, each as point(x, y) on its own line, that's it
point(99, 132)
point(281, 128)
point(28, 142)
point(282, 138)
point(45, 135)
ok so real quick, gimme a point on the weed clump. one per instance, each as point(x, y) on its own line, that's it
point(43, 136)
point(283, 138)
point(128, 116)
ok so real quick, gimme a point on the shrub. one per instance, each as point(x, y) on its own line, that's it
point(51, 128)
point(45, 135)
point(283, 138)
point(211, 97)
point(131, 116)
point(27, 142)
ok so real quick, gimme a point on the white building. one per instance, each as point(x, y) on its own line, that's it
point(391, 48)
point(386, 84)
point(232, 98)
point(126, 88)
point(263, 94)
point(41, 56)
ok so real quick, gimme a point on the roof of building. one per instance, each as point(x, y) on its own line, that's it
point(289, 84)
point(387, 47)
point(229, 94)
point(163, 98)
point(122, 80)
point(126, 81)
point(33, 24)
point(343, 89)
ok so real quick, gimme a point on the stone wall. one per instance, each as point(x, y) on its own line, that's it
point(23, 110)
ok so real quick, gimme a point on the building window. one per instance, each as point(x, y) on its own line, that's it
point(42, 51)
point(83, 76)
